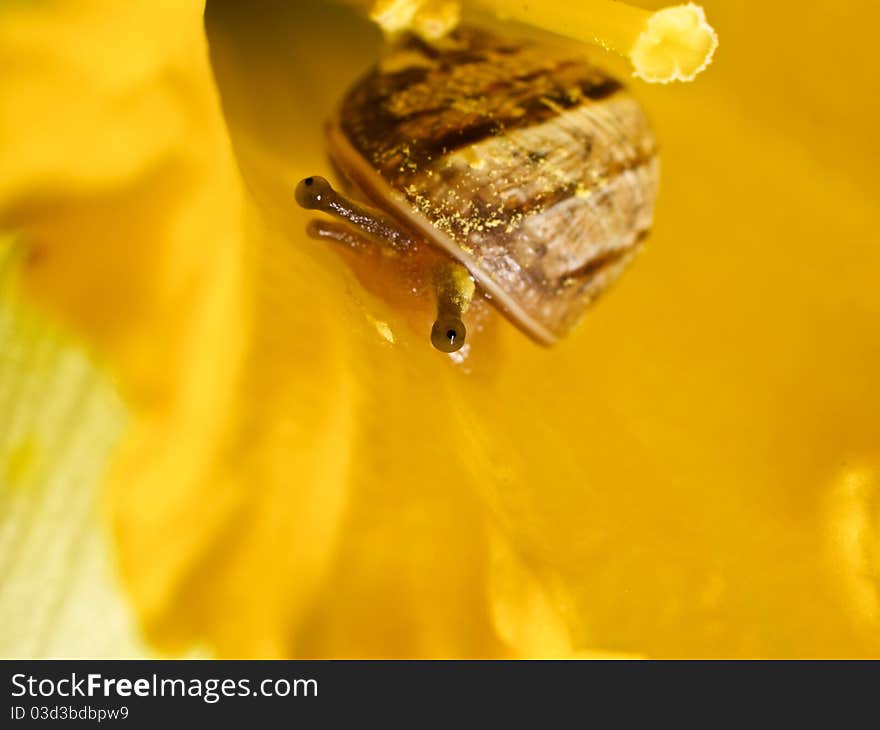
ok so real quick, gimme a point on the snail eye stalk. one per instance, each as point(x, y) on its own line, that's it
point(448, 334)
point(316, 193)
point(454, 288)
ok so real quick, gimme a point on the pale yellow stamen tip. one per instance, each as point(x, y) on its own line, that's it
point(431, 19)
point(394, 16)
point(435, 19)
point(673, 44)
point(676, 45)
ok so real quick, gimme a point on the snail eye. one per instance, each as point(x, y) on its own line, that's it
point(448, 334)
point(312, 192)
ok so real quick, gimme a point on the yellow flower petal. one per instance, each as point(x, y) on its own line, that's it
point(628, 468)
point(61, 419)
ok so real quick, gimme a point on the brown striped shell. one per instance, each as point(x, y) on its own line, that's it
point(534, 169)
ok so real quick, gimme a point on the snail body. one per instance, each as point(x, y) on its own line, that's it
point(533, 170)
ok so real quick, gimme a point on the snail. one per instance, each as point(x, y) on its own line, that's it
point(532, 171)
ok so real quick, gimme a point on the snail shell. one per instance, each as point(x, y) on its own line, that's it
point(534, 169)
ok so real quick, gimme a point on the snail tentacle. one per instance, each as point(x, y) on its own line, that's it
point(316, 193)
point(454, 288)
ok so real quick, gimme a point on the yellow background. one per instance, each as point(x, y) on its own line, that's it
point(694, 472)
